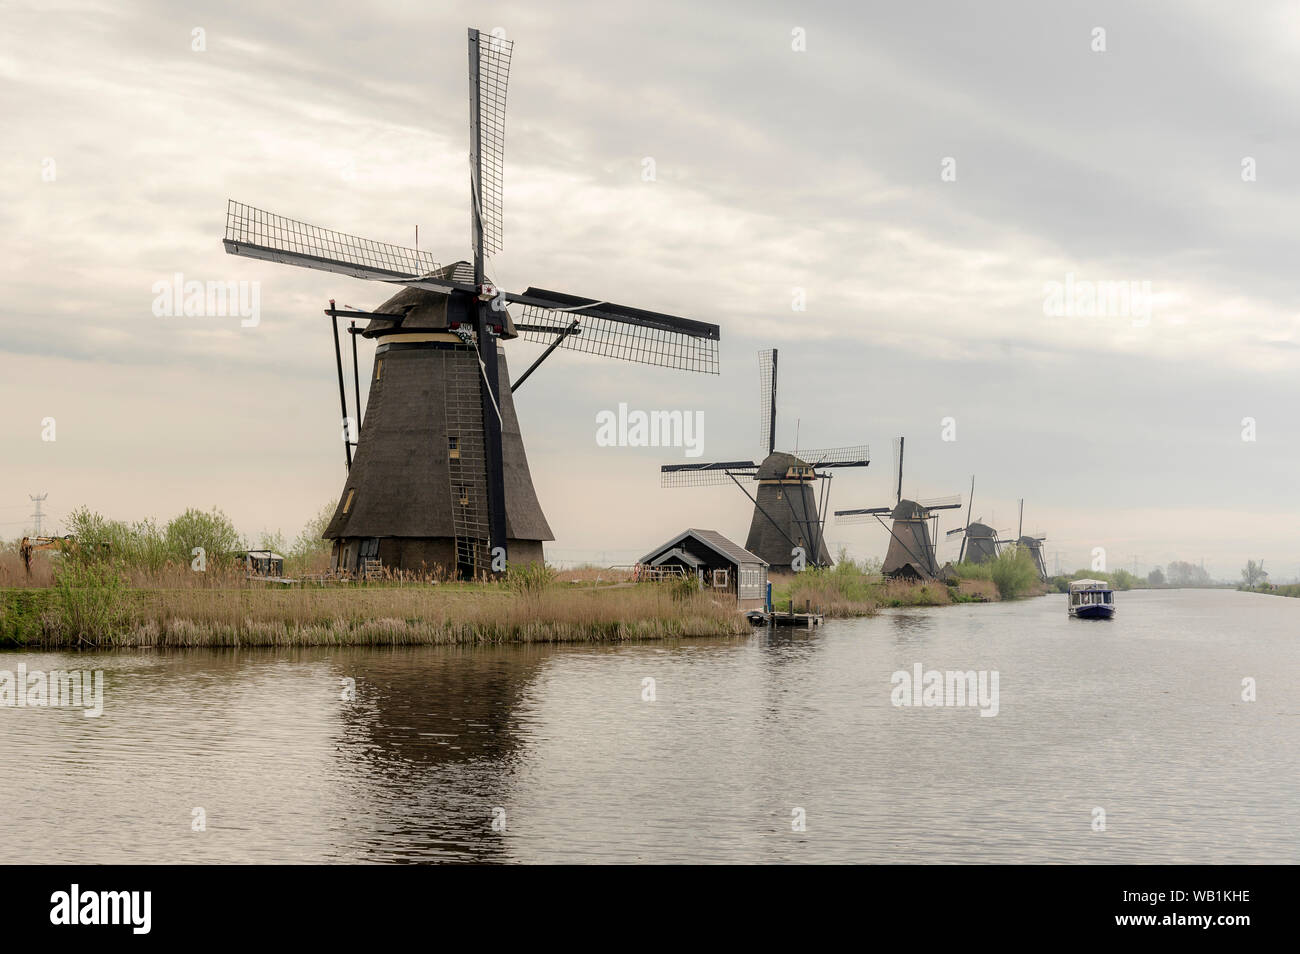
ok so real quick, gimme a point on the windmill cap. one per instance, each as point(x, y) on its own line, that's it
point(432, 310)
point(776, 466)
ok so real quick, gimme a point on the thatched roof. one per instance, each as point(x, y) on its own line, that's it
point(434, 311)
point(776, 465)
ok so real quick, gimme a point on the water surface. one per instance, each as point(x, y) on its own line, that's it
point(1141, 717)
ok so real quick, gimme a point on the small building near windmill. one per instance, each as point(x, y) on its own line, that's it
point(262, 562)
point(719, 564)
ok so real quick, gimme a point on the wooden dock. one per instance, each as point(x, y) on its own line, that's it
point(786, 617)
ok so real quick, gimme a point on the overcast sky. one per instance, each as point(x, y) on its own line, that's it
point(775, 169)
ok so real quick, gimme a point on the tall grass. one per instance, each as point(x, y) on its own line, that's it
point(104, 616)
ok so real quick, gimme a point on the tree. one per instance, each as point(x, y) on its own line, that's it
point(1156, 577)
point(211, 530)
point(1253, 575)
point(1182, 573)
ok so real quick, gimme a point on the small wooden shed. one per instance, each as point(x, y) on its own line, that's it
point(718, 563)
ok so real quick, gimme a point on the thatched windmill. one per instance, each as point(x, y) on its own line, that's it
point(911, 552)
point(440, 476)
point(979, 541)
point(787, 528)
point(1032, 542)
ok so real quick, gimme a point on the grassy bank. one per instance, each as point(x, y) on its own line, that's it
point(1012, 574)
point(856, 588)
point(97, 616)
point(1274, 589)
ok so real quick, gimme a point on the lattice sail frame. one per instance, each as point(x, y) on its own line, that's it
point(625, 341)
point(494, 52)
point(292, 242)
point(866, 516)
point(705, 475)
point(951, 502)
point(766, 400)
point(855, 456)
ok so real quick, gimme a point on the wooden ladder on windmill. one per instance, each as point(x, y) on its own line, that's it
point(467, 469)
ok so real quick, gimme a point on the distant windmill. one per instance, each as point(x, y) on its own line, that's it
point(911, 550)
point(440, 476)
point(787, 519)
point(979, 542)
point(1033, 543)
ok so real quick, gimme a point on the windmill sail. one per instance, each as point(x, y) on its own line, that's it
point(618, 331)
point(857, 456)
point(706, 475)
point(489, 76)
point(767, 400)
point(256, 233)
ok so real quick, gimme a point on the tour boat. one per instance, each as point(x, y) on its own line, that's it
point(1092, 599)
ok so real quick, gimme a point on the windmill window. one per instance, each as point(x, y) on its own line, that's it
point(347, 504)
point(379, 368)
point(463, 494)
point(453, 447)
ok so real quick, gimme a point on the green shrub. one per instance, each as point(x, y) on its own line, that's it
point(1013, 572)
point(211, 530)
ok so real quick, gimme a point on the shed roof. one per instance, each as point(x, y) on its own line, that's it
point(715, 541)
point(679, 554)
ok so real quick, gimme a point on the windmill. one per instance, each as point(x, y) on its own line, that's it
point(787, 529)
point(440, 476)
point(911, 550)
point(979, 541)
point(1033, 542)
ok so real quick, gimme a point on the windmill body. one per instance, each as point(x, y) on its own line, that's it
point(416, 494)
point(788, 526)
point(911, 553)
point(786, 514)
point(981, 543)
point(440, 478)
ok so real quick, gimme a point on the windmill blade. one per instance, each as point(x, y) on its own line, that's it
point(619, 331)
point(767, 401)
point(489, 75)
point(940, 503)
point(858, 456)
point(861, 516)
point(706, 475)
point(255, 233)
point(955, 530)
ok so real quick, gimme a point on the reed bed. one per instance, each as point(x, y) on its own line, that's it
point(352, 616)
